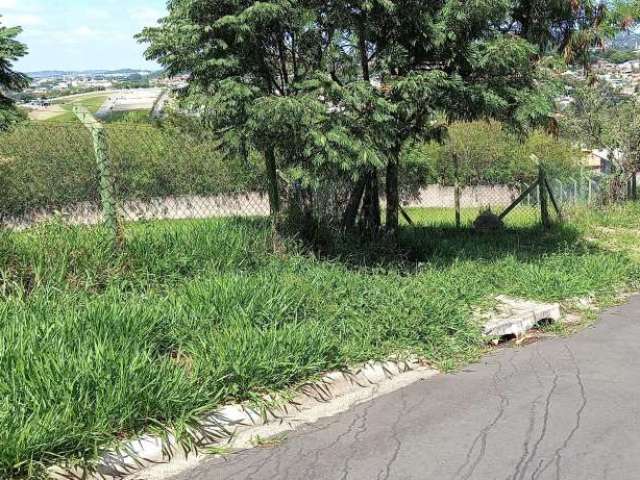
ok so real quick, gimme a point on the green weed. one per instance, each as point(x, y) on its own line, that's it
point(98, 346)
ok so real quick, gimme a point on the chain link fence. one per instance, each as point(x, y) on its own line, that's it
point(50, 171)
point(436, 205)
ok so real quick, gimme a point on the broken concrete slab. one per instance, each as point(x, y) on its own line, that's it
point(513, 316)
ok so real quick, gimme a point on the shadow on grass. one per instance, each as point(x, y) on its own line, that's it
point(445, 245)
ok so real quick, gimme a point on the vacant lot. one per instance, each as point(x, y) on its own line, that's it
point(191, 314)
point(61, 110)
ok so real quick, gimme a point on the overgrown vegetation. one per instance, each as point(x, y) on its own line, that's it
point(53, 166)
point(485, 152)
point(102, 340)
point(95, 347)
point(600, 118)
point(617, 56)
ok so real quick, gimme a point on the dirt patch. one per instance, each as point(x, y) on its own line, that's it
point(46, 113)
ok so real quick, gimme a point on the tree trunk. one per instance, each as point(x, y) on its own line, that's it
point(374, 187)
point(393, 197)
point(371, 205)
point(456, 190)
point(353, 205)
point(371, 215)
point(364, 54)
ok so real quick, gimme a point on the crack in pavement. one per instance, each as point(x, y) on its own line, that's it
point(545, 421)
point(361, 418)
point(557, 457)
point(532, 418)
point(530, 427)
point(484, 433)
point(282, 454)
point(396, 439)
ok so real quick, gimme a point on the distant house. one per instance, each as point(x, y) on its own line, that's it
point(601, 160)
point(629, 67)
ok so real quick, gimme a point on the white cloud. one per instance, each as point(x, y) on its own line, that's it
point(8, 4)
point(97, 14)
point(22, 19)
point(83, 31)
point(145, 15)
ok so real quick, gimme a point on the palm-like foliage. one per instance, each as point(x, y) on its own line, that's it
point(338, 89)
point(10, 51)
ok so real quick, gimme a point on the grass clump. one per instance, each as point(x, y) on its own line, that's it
point(96, 346)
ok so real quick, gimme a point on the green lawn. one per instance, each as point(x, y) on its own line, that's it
point(192, 314)
point(132, 116)
point(522, 216)
point(91, 102)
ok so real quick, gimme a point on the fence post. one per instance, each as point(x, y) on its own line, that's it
point(456, 191)
point(560, 189)
point(544, 200)
point(107, 187)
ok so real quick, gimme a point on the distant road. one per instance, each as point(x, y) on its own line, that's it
point(130, 100)
point(84, 95)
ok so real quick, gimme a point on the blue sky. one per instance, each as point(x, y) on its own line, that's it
point(81, 34)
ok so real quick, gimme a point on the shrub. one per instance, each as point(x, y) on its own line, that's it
point(51, 166)
point(487, 153)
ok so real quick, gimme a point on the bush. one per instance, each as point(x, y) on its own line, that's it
point(51, 166)
point(489, 154)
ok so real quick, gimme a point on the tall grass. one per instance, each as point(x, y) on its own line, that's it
point(96, 346)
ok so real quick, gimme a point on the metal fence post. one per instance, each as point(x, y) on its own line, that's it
point(544, 202)
point(456, 191)
point(107, 184)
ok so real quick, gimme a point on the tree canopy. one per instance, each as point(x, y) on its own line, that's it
point(336, 90)
point(10, 51)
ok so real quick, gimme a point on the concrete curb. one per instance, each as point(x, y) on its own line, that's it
point(516, 316)
point(237, 426)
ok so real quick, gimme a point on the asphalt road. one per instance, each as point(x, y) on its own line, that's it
point(562, 408)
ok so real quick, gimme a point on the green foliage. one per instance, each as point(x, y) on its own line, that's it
point(487, 153)
point(600, 118)
point(588, 119)
point(53, 166)
point(618, 56)
point(336, 90)
point(625, 137)
point(10, 51)
point(190, 315)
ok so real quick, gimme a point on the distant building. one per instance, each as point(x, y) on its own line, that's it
point(629, 67)
point(601, 160)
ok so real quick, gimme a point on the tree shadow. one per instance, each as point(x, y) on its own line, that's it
point(442, 246)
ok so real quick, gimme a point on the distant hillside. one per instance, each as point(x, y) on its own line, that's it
point(64, 73)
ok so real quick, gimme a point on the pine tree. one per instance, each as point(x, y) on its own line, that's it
point(10, 51)
point(334, 91)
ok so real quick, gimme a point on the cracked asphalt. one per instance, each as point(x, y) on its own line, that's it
point(562, 408)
